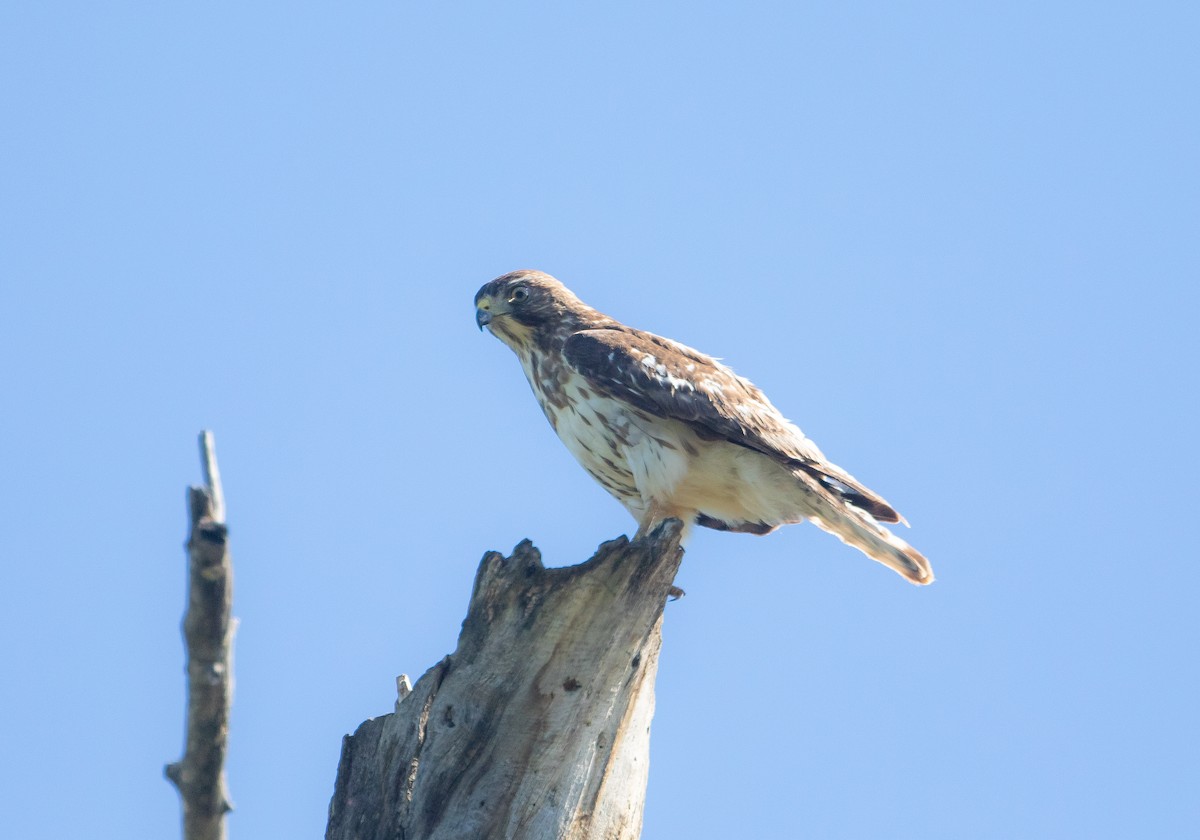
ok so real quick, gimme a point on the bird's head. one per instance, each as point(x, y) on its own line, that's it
point(523, 306)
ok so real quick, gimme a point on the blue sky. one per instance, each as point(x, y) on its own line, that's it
point(955, 242)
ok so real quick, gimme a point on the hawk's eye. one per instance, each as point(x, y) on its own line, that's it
point(520, 295)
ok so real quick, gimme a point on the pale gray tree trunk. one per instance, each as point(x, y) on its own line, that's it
point(208, 628)
point(538, 726)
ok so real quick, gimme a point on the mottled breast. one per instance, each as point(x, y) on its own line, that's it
point(596, 429)
point(637, 457)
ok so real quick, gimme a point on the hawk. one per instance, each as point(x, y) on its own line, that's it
point(672, 432)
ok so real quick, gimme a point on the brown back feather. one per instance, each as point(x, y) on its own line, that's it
point(709, 397)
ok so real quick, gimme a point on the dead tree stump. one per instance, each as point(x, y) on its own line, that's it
point(538, 726)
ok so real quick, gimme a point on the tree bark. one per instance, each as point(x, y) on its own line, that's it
point(538, 725)
point(208, 637)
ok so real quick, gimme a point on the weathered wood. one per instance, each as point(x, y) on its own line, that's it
point(208, 637)
point(537, 727)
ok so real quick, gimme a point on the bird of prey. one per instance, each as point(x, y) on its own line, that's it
point(672, 432)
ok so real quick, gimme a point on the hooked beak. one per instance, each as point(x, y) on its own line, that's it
point(486, 310)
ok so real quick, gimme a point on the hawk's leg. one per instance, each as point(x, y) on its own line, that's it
point(659, 511)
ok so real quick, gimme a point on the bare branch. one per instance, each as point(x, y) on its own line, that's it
point(212, 475)
point(208, 630)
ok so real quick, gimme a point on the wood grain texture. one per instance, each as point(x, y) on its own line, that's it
point(538, 725)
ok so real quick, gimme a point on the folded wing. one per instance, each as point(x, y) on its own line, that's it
point(669, 379)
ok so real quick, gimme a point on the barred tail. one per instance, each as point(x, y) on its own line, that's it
point(856, 528)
